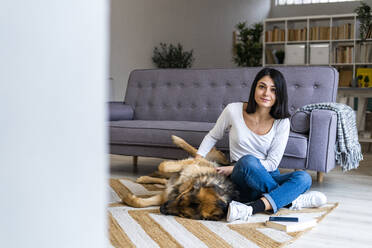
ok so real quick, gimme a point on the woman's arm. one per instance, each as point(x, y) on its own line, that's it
point(278, 146)
point(216, 133)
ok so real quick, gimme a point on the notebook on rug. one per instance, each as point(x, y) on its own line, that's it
point(289, 226)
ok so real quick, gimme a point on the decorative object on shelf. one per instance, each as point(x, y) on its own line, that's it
point(295, 54)
point(248, 46)
point(170, 56)
point(364, 76)
point(365, 18)
point(319, 54)
point(280, 56)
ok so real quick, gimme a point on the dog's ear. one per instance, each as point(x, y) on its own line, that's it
point(185, 188)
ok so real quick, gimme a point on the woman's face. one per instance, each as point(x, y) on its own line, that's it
point(265, 92)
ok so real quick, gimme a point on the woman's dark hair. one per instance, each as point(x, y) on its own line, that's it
point(280, 108)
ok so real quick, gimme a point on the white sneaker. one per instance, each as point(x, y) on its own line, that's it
point(311, 199)
point(238, 211)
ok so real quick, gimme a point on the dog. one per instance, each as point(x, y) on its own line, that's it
point(195, 191)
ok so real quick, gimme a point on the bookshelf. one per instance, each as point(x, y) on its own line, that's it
point(332, 40)
point(318, 40)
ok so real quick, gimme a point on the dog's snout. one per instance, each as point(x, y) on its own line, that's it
point(163, 208)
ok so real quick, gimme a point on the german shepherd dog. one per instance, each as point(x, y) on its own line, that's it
point(195, 190)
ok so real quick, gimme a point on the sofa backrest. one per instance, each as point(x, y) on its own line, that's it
point(202, 94)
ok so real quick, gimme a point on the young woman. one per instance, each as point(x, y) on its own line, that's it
point(258, 135)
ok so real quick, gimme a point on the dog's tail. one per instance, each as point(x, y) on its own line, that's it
point(213, 155)
point(184, 145)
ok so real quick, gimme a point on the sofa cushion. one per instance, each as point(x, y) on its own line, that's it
point(158, 133)
point(120, 111)
point(297, 145)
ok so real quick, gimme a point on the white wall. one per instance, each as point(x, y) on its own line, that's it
point(206, 26)
point(315, 9)
point(53, 162)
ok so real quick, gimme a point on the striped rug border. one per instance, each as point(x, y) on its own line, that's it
point(118, 237)
point(160, 236)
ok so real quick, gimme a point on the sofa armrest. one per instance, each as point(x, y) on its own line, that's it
point(120, 111)
point(322, 140)
point(300, 122)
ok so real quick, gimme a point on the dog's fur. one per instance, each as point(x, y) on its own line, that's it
point(196, 190)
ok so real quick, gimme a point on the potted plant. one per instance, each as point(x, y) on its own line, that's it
point(280, 56)
point(248, 47)
point(170, 56)
point(365, 19)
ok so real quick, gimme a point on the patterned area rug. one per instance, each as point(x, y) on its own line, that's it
point(147, 227)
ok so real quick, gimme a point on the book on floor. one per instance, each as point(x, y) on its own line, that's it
point(303, 223)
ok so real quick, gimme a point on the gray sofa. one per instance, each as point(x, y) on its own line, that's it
point(187, 102)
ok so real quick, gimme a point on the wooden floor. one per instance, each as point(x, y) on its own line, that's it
point(350, 225)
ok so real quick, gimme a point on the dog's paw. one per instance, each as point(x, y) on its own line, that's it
point(127, 198)
point(163, 166)
point(142, 179)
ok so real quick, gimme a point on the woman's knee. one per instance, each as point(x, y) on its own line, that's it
point(304, 178)
point(246, 164)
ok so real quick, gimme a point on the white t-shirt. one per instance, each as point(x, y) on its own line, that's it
point(268, 148)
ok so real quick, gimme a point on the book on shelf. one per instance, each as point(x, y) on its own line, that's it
point(343, 54)
point(345, 77)
point(302, 224)
point(275, 35)
point(269, 56)
point(319, 33)
point(369, 32)
point(343, 32)
point(297, 34)
point(364, 53)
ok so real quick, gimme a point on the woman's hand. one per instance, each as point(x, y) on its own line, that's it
point(198, 156)
point(225, 170)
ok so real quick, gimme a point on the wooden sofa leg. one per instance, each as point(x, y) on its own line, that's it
point(320, 176)
point(135, 163)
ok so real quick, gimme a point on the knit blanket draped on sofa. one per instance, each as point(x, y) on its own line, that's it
point(347, 150)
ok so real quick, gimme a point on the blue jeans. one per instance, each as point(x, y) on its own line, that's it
point(254, 181)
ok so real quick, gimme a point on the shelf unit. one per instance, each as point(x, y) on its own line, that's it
point(340, 33)
point(304, 27)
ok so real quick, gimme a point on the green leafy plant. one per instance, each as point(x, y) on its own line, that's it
point(280, 56)
point(365, 19)
point(248, 46)
point(170, 56)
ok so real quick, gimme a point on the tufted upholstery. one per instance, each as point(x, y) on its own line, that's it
point(201, 95)
point(187, 102)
